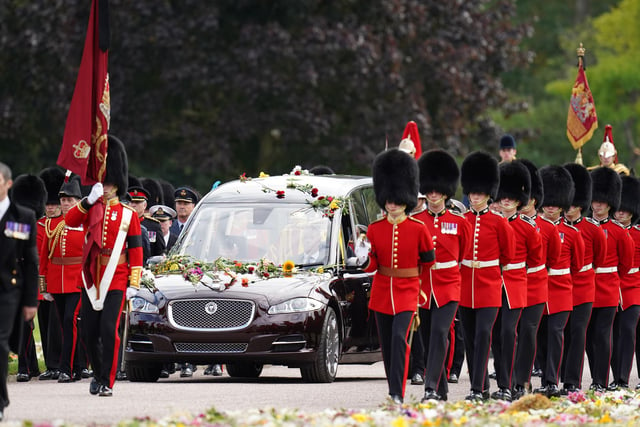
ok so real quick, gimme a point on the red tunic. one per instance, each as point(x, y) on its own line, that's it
point(571, 260)
point(619, 258)
point(528, 252)
point(630, 281)
point(595, 250)
point(492, 246)
point(451, 234)
point(61, 256)
point(78, 216)
point(406, 245)
point(40, 237)
point(537, 277)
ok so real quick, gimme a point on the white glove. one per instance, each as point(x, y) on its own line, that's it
point(47, 296)
point(96, 192)
point(361, 249)
point(131, 292)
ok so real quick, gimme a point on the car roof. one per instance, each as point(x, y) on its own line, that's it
point(264, 189)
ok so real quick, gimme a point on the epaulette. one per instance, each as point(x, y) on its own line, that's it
point(545, 219)
point(637, 227)
point(570, 226)
point(592, 221)
point(128, 207)
point(496, 213)
point(416, 220)
point(528, 220)
point(617, 223)
point(41, 221)
point(150, 218)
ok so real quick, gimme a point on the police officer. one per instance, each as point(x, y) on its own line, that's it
point(605, 201)
point(514, 192)
point(451, 234)
point(584, 285)
point(400, 246)
point(112, 265)
point(493, 246)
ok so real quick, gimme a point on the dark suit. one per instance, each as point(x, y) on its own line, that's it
point(18, 279)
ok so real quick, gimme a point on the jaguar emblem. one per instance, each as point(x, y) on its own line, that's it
point(211, 307)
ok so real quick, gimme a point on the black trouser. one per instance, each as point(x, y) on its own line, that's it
point(28, 358)
point(477, 324)
point(50, 333)
point(550, 345)
point(434, 327)
point(503, 343)
point(526, 347)
point(575, 343)
point(100, 330)
point(599, 343)
point(417, 353)
point(9, 304)
point(393, 333)
point(68, 306)
point(624, 343)
point(456, 344)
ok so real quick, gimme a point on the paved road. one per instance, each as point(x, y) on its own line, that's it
point(356, 387)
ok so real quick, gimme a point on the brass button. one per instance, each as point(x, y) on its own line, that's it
point(14, 281)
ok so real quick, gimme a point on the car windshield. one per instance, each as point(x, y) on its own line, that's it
point(247, 233)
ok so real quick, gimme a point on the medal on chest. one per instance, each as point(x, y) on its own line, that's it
point(114, 215)
point(449, 228)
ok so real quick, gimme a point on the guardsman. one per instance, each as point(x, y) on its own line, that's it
point(584, 285)
point(537, 285)
point(186, 200)
point(18, 275)
point(111, 266)
point(60, 267)
point(451, 234)
point(400, 247)
point(152, 245)
point(605, 201)
point(492, 247)
point(514, 192)
point(626, 320)
point(558, 195)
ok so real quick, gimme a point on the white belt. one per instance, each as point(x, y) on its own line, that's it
point(586, 268)
point(633, 270)
point(441, 265)
point(559, 271)
point(607, 270)
point(514, 266)
point(480, 264)
point(536, 269)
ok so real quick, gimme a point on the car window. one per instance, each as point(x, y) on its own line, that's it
point(244, 232)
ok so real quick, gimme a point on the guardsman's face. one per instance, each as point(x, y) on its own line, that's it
point(508, 205)
point(478, 200)
point(552, 212)
point(623, 217)
point(600, 209)
point(394, 209)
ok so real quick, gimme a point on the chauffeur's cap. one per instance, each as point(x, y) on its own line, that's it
point(186, 194)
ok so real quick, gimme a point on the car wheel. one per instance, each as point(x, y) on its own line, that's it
point(325, 368)
point(143, 372)
point(244, 370)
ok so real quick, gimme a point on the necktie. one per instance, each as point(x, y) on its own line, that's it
point(181, 227)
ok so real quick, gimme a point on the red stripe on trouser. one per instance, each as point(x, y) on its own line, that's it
point(452, 346)
point(116, 347)
point(76, 313)
point(407, 353)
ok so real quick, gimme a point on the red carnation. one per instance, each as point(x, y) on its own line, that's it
point(280, 194)
point(314, 192)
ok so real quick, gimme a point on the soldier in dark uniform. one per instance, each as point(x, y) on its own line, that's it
point(164, 214)
point(18, 274)
point(400, 247)
point(112, 265)
point(186, 199)
point(138, 199)
point(451, 235)
point(514, 192)
point(605, 201)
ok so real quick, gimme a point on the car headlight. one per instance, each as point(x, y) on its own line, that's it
point(141, 305)
point(295, 305)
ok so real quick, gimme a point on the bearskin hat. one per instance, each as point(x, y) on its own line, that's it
point(537, 190)
point(630, 195)
point(515, 182)
point(606, 187)
point(53, 178)
point(168, 191)
point(156, 196)
point(395, 179)
point(558, 187)
point(71, 188)
point(582, 183)
point(438, 172)
point(133, 181)
point(117, 166)
point(30, 191)
point(479, 174)
point(321, 170)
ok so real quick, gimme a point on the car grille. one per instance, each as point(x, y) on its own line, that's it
point(197, 347)
point(211, 314)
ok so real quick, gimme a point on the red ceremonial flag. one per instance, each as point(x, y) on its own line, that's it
point(411, 133)
point(84, 146)
point(582, 120)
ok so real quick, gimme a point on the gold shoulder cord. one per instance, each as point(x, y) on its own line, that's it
point(55, 234)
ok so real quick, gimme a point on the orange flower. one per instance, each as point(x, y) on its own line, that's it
point(288, 266)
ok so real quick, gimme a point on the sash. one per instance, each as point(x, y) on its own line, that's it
point(97, 294)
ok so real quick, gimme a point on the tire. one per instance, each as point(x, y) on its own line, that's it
point(142, 372)
point(244, 370)
point(325, 368)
